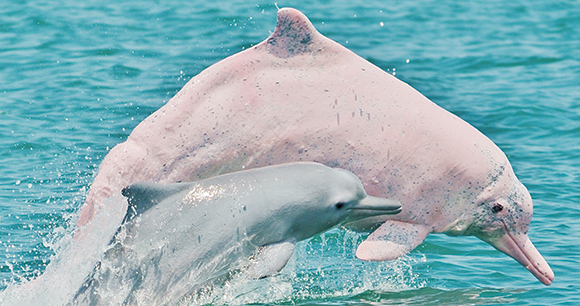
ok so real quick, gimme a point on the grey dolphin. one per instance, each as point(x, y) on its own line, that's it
point(178, 236)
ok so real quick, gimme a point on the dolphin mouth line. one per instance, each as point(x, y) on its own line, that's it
point(528, 264)
point(390, 210)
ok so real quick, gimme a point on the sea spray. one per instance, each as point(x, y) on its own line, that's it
point(71, 265)
point(323, 267)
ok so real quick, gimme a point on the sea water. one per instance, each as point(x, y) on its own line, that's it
point(77, 76)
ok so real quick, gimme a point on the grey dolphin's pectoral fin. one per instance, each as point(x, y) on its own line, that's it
point(392, 240)
point(143, 196)
point(270, 259)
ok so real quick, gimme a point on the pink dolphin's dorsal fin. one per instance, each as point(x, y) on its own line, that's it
point(294, 34)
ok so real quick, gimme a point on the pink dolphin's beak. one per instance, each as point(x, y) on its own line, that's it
point(520, 248)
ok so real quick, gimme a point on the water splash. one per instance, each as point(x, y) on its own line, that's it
point(68, 269)
point(322, 268)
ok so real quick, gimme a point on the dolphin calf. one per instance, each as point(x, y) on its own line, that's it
point(178, 236)
point(299, 96)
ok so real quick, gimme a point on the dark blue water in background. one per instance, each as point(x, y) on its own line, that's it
point(77, 76)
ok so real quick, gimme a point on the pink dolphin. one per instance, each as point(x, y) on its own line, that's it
point(299, 96)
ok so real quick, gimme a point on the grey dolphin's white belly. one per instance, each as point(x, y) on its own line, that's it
point(178, 237)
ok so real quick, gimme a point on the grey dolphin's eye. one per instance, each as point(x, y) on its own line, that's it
point(339, 205)
point(497, 208)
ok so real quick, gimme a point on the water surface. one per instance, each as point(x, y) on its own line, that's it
point(77, 76)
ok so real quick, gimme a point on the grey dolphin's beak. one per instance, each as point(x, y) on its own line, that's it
point(374, 206)
point(520, 248)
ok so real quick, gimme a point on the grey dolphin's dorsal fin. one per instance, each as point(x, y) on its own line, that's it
point(142, 196)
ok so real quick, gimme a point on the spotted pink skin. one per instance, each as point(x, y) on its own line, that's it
point(299, 96)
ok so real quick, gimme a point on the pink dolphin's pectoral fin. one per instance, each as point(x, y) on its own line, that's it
point(391, 240)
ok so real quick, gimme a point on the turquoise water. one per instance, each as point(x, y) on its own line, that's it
point(77, 76)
